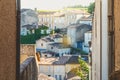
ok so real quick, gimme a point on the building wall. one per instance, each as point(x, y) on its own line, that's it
point(46, 19)
point(28, 49)
point(71, 36)
point(52, 70)
point(87, 39)
point(61, 51)
point(46, 69)
point(75, 34)
point(23, 31)
point(59, 22)
point(40, 44)
point(8, 47)
point(58, 40)
point(88, 22)
point(69, 67)
point(59, 70)
point(100, 41)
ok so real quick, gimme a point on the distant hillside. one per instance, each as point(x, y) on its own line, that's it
point(28, 16)
point(80, 7)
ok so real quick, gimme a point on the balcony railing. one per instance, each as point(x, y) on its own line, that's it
point(28, 69)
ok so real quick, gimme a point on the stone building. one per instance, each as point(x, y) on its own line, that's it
point(46, 18)
point(58, 67)
point(76, 32)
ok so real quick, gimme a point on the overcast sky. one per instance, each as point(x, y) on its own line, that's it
point(52, 4)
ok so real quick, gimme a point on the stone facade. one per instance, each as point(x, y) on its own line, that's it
point(28, 49)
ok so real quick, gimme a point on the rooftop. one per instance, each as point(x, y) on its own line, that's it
point(47, 39)
point(89, 18)
point(45, 60)
point(62, 60)
point(51, 37)
point(79, 26)
point(69, 59)
point(28, 26)
point(58, 45)
point(46, 12)
point(57, 36)
point(59, 14)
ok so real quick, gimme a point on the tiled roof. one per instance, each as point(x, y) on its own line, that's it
point(73, 60)
point(47, 39)
point(87, 18)
point(67, 60)
point(57, 36)
point(45, 61)
point(58, 45)
point(62, 60)
point(80, 26)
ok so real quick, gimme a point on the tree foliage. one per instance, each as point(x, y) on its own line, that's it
point(31, 38)
point(91, 8)
point(77, 50)
point(83, 69)
point(77, 6)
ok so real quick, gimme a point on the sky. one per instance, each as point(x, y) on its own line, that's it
point(52, 4)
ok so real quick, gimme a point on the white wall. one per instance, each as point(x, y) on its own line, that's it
point(53, 70)
point(58, 40)
point(87, 38)
point(71, 34)
point(100, 41)
point(23, 31)
point(88, 22)
point(40, 44)
point(59, 70)
point(64, 51)
point(46, 69)
point(58, 50)
point(104, 40)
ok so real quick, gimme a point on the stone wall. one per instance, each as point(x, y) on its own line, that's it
point(8, 47)
point(28, 49)
point(28, 69)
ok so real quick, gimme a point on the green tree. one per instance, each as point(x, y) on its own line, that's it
point(77, 50)
point(57, 30)
point(31, 38)
point(83, 69)
point(91, 8)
